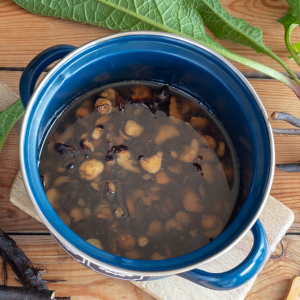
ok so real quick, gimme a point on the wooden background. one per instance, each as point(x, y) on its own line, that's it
point(24, 35)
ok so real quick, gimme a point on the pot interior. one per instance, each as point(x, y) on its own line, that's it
point(183, 66)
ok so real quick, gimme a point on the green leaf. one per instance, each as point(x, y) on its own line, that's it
point(8, 118)
point(174, 16)
point(296, 48)
point(294, 9)
point(227, 27)
point(288, 20)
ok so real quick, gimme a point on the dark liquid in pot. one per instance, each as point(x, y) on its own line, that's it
point(146, 172)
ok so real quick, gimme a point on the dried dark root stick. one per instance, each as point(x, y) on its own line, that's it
point(286, 117)
point(21, 293)
point(286, 131)
point(21, 265)
point(295, 167)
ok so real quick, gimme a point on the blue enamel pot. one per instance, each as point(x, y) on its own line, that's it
point(185, 65)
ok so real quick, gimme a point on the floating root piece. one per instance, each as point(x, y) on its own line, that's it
point(295, 167)
point(286, 131)
point(285, 117)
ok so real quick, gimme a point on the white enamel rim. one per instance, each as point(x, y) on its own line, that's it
point(98, 262)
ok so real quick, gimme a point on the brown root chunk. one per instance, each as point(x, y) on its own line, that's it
point(65, 218)
point(202, 192)
point(96, 243)
point(210, 141)
point(174, 113)
point(143, 241)
point(153, 192)
point(52, 196)
point(183, 218)
point(153, 163)
point(126, 241)
point(124, 136)
point(97, 133)
point(87, 212)
point(174, 169)
point(157, 256)
point(162, 177)
point(133, 129)
point(87, 145)
point(103, 211)
point(191, 202)
point(215, 232)
point(166, 132)
point(82, 112)
point(124, 160)
point(174, 154)
point(198, 122)
point(208, 173)
point(209, 222)
point(190, 152)
point(65, 136)
point(220, 149)
point(155, 228)
point(60, 180)
point(194, 232)
point(173, 224)
point(131, 206)
point(102, 120)
point(90, 169)
point(76, 214)
point(110, 94)
point(141, 93)
point(81, 202)
point(119, 212)
point(103, 106)
point(95, 186)
point(110, 188)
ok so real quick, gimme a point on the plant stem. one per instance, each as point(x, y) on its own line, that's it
point(286, 117)
point(262, 68)
point(286, 131)
point(288, 44)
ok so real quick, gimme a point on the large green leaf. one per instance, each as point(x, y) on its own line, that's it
point(8, 118)
point(174, 16)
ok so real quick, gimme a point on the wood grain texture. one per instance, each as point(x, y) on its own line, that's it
point(11, 218)
point(24, 35)
point(81, 283)
point(273, 281)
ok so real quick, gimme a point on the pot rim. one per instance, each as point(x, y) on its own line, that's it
point(137, 272)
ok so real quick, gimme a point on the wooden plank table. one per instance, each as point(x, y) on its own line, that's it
point(24, 35)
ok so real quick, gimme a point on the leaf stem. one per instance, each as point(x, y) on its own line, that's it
point(288, 44)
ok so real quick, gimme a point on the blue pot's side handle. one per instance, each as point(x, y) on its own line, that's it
point(35, 68)
point(240, 274)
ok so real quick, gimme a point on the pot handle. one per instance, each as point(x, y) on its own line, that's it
point(35, 68)
point(240, 274)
